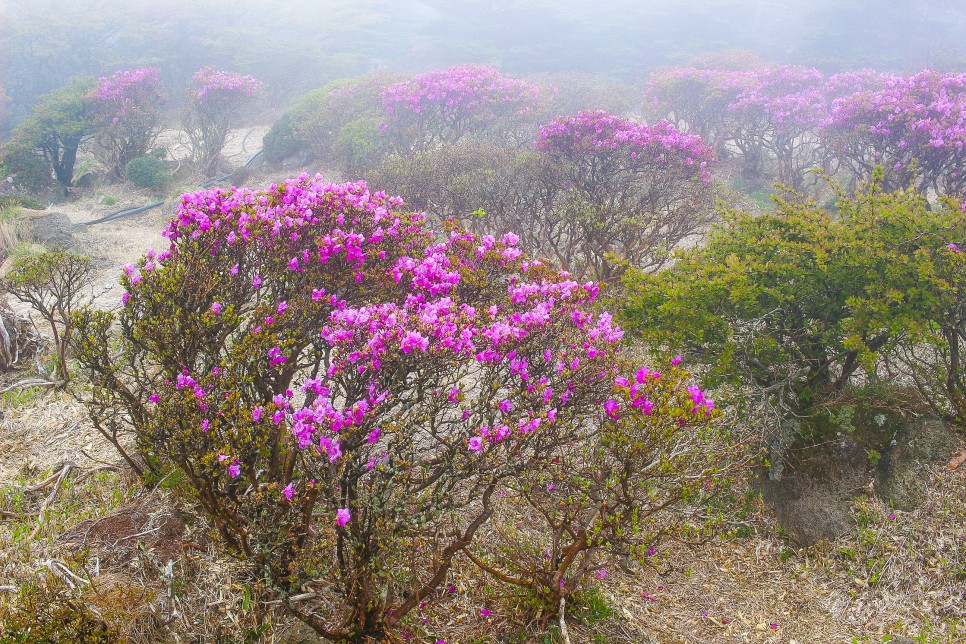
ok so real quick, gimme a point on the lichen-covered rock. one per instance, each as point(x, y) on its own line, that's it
point(903, 473)
point(51, 229)
point(813, 500)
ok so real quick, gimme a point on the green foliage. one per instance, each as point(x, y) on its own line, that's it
point(279, 142)
point(19, 201)
point(56, 127)
point(800, 303)
point(29, 169)
point(49, 609)
point(339, 122)
point(54, 284)
point(147, 172)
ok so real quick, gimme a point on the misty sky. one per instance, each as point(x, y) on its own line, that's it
point(295, 46)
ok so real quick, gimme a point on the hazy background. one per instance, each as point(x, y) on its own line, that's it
point(295, 46)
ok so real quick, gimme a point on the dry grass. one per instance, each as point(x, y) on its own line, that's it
point(155, 569)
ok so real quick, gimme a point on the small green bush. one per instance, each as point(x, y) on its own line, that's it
point(280, 142)
point(47, 609)
point(21, 201)
point(29, 170)
point(147, 172)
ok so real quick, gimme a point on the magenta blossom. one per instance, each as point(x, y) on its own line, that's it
point(343, 516)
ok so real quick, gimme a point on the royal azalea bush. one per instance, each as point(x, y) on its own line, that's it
point(216, 99)
point(443, 106)
point(772, 117)
point(628, 193)
point(357, 402)
point(914, 127)
point(596, 193)
point(126, 108)
point(802, 304)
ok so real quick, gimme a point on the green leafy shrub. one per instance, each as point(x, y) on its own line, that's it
point(29, 169)
point(54, 284)
point(147, 172)
point(59, 123)
point(799, 304)
point(280, 142)
point(338, 123)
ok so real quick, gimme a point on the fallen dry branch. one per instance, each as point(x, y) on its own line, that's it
point(563, 621)
point(46, 482)
point(32, 382)
point(49, 500)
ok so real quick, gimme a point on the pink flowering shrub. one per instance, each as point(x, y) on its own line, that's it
point(443, 106)
point(914, 127)
point(697, 100)
point(215, 101)
point(776, 120)
point(625, 193)
point(127, 116)
point(354, 400)
point(772, 118)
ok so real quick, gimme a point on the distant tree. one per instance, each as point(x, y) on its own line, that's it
point(443, 106)
point(913, 127)
point(598, 193)
point(776, 121)
point(697, 100)
point(215, 101)
point(625, 194)
point(56, 127)
point(339, 123)
point(127, 116)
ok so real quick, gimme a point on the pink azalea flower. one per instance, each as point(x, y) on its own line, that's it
point(288, 492)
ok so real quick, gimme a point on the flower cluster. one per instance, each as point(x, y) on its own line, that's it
point(125, 91)
point(444, 105)
point(592, 132)
point(791, 98)
point(209, 82)
point(472, 89)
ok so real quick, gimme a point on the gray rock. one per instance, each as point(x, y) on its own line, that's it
point(903, 473)
point(813, 500)
point(50, 229)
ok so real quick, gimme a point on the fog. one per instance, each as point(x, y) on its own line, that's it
point(296, 46)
